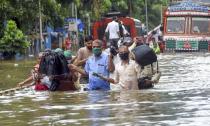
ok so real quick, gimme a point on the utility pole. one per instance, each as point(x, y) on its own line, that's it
point(130, 8)
point(161, 12)
point(146, 15)
point(146, 19)
point(88, 21)
point(77, 34)
point(40, 25)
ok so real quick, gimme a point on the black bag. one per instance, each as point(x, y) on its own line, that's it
point(144, 55)
point(53, 64)
point(143, 85)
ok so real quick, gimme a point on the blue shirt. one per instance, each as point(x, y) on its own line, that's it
point(98, 65)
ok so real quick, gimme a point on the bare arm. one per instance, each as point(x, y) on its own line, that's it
point(74, 59)
point(80, 62)
point(25, 82)
point(111, 67)
point(77, 69)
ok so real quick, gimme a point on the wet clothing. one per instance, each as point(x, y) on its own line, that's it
point(126, 75)
point(41, 87)
point(83, 80)
point(98, 65)
point(150, 72)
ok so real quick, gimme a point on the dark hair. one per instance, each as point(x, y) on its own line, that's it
point(88, 38)
point(114, 18)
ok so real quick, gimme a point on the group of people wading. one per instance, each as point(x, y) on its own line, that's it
point(125, 63)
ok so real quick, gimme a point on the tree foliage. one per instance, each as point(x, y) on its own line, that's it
point(13, 40)
point(26, 12)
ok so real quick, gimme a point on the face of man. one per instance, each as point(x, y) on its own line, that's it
point(96, 47)
point(123, 49)
point(89, 44)
point(140, 41)
point(124, 53)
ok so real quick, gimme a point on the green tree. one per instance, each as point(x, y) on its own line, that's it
point(13, 40)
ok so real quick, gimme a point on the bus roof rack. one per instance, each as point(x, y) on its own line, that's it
point(115, 13)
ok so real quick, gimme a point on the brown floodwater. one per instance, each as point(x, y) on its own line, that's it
point(12, 72)
point(181, 98)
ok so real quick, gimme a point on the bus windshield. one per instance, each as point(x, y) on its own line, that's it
point(200, 25)
point(175, 24)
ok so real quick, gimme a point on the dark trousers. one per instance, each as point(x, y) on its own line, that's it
point(114, 42)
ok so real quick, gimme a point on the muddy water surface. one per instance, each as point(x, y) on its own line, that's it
point(181, 98)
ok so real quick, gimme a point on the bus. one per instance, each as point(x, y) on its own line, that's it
point(186, 27)
point(132, 25)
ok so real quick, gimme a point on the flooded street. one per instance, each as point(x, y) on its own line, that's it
point(181, 98)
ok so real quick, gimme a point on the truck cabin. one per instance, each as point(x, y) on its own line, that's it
point(187, 23)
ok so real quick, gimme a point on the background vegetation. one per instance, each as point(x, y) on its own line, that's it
point(26, 12)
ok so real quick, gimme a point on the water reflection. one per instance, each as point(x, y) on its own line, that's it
point(181, 98)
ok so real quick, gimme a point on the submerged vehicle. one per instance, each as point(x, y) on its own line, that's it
point(186, 27)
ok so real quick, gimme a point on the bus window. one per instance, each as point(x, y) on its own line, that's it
point(175, 24)
point(127, 27)
point(101, 32)
point(200, 25)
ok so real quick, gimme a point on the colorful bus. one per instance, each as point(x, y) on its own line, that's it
point(186, 27)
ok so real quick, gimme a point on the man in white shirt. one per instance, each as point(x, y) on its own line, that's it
point(126, 71)
point(113, 31)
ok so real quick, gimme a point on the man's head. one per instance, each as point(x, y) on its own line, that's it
point(123, 52)
point(59, 50)
point(68, 54)
point(88, 42)
point(127, 41)
point(140, 41)
point(113, 50)
point(115, 18)
point(97, 47)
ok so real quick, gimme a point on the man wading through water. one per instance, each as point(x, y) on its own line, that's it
point(82, 56)
point(126, 71)
point(97, 67)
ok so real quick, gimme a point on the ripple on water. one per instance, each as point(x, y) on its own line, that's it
point(182, 97)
